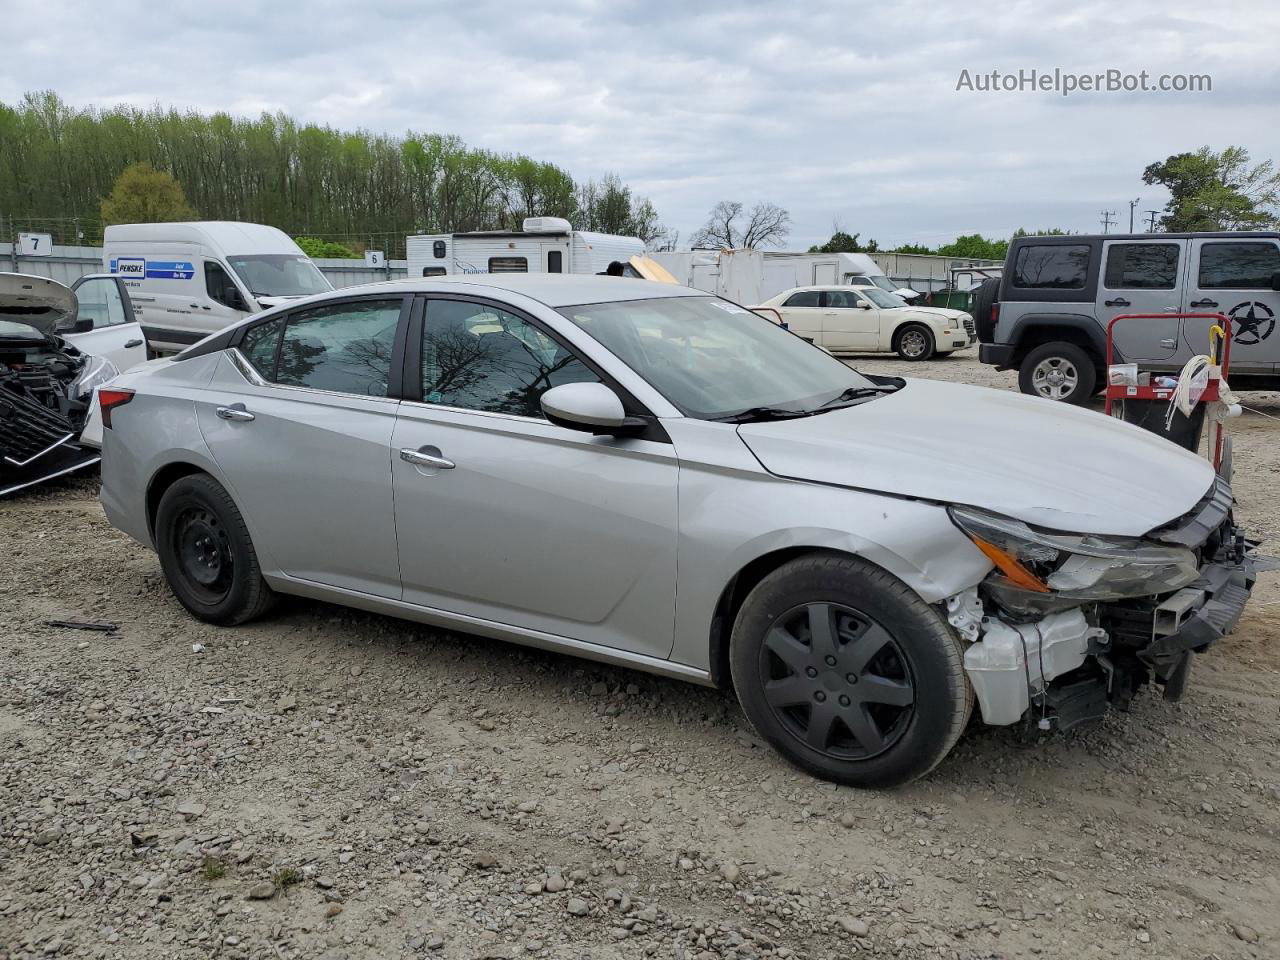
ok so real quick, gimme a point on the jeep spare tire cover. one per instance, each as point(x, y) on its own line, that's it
point(986, 294)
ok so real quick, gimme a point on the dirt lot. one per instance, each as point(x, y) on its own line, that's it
point(332, 784)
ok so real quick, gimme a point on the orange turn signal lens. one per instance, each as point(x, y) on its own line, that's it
point(1010, 566)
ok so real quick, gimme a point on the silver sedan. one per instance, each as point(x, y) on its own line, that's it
point(653, 477)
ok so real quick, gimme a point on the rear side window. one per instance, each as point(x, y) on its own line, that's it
point(805, 298)
point(1142, 266)
point(842, 298)
point(341, 347)
point(1051, 266)
point(259, 346)
point(508, 265)
point(1238, 266)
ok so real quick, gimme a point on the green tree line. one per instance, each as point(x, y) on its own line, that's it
point(58, 162)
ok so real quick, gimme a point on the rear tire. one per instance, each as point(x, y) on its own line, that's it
point(848, 673)
point(980, 302)
point(914, 341)
point(1058, 371)
point(206, 554)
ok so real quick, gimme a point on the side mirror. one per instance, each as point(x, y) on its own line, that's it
point(592, 407)
point(1275, 281)
point(232, 298)
point(75, 324)
point(863, 305)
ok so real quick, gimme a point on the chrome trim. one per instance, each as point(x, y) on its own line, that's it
point(50, 476)
point(479, 413)
point(33, 459)
point(489, 628)
point(246, 370)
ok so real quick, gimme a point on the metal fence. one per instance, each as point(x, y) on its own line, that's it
point(67, 263)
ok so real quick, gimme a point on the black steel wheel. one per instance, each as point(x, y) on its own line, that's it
point(848, 672)
point(206, 554)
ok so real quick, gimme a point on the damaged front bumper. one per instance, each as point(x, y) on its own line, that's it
point(36, 444)
point(1068, 667)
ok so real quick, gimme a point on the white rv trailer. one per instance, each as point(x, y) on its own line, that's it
point(546, 245)
point(753, 276)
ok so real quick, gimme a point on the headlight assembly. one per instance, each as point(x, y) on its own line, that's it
point(1077, 567)
point(95, 372)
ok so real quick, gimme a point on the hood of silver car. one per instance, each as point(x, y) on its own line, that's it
point(1048, 464)
point(36, 302)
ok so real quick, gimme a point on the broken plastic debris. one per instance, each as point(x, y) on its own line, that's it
point(197, 648)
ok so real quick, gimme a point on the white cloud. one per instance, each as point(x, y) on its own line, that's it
point(834, 110)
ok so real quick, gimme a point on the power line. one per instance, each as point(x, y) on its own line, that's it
point(1151, 220)
point(1108, 218)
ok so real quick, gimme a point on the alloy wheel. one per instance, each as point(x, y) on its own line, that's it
point(914, 343)
point(1055, 378)
point(837, 681)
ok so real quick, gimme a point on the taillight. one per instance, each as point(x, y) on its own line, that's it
point(995, 315)
point(109, 398)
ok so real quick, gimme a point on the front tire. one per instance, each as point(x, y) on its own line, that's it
point(848, 673)
point(1058, 371)
point(206, 554)
point(914, 342)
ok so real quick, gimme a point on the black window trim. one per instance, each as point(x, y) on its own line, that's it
point(411, 372)
point(396, 367)
point(1230, 242)
point(1179, 263)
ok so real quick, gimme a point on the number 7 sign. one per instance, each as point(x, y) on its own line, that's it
point(35, 244)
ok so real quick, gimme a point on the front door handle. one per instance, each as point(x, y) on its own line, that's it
point(1206, 302)
point(132, 343)
point(426, 457)
point(235, 411)
point(1117, 302)
point(1169, 344)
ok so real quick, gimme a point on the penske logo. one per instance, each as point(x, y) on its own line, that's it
point(133, 267)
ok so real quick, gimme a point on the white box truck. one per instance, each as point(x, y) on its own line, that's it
point(546, 245)
point(188, 280)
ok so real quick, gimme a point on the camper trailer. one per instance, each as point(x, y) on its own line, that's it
point(753, 276)
point(546, 245)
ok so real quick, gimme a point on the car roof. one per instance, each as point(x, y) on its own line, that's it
point(550, 289)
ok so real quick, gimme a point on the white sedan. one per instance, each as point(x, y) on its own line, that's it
point(845, 319)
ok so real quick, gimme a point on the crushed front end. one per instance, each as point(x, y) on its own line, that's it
point(1067, 625)
point(46, 387)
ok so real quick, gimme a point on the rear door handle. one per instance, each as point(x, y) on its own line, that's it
point(132, 343)
point(1117, 302)
point(235, 411)
point(1206, 302)
point(426, 457)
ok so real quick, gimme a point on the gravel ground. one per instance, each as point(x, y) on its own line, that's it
point(332, 784)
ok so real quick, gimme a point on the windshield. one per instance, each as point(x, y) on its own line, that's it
point(713, 359)
point(884, 283)
point(885, 301)
point(279, 275)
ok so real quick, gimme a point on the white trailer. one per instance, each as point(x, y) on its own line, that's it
point(753, 276)
point(546, 245)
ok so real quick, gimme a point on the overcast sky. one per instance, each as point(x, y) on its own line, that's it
point(843, 112)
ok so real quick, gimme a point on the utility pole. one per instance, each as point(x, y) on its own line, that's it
point(1107, 220)
point(1151, 220)
point(1132, 203)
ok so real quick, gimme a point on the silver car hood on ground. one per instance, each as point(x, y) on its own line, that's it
point(1045, 463)
point(35, 301)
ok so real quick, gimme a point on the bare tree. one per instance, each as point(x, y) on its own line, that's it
point(729, 225)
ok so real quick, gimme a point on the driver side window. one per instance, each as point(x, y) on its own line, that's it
point(479, 357)
point(220, 287)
